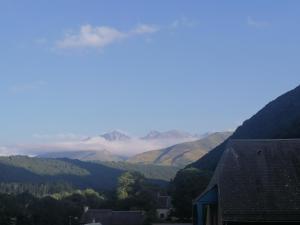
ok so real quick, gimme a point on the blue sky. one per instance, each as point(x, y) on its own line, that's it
point(86, 67)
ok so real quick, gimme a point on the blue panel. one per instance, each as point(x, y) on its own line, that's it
point(210, 197)
point(200, 214)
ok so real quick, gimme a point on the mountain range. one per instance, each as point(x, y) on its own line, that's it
point(112, 146)
point(178, 155)
point(278, 119)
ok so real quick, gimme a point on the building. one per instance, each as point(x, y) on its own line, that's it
point(256, 182)
point(164, 206)
point(109, 217)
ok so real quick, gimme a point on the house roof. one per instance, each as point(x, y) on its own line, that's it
point(109, 217)
point(128, 217)
point(97, 215)
point(259, 180)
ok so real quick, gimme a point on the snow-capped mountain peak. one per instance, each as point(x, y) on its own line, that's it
point(116, 135)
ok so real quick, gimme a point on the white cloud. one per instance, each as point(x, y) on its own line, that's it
point(7, 151)
point(101, 36)
point(183, 22)
point(98, 37)
point(25, 87)
point(73, 142)
point(145, 29)
point(257, 23)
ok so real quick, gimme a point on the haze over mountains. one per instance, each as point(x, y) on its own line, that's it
point(109, 146)
point(176, 155)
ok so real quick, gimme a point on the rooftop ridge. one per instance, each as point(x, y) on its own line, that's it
point(264, 140)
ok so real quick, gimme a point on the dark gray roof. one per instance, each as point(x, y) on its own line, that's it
point(109, 217)
point(128, 217)
point(97, 215)
point(259, 180)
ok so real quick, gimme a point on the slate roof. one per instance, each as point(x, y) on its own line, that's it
point(97, 215)
point(128, 217)
point(109, 217)
point(259, 180)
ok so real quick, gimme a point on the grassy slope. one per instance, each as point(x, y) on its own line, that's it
point(181, 154)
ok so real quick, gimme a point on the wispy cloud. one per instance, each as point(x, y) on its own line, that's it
point(26, 87)
point(183, 22)
point(90, 36)
point(257, 23)
point(144, 29)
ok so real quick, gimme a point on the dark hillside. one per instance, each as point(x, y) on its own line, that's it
point(277, 120)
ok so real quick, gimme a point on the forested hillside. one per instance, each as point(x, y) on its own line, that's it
point(157, 172)
point(97, 175)
point(101, 155)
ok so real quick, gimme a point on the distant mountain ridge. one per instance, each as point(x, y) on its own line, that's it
point(183, 153)
point(171, 134)
point(117, 135)
point(102, 155)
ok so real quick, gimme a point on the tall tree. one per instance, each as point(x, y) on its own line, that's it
point(187, 185)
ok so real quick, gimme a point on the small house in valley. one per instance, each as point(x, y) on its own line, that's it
point(256, 182)
point(164, 207)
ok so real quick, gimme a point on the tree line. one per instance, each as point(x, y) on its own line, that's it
point(133, 192)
